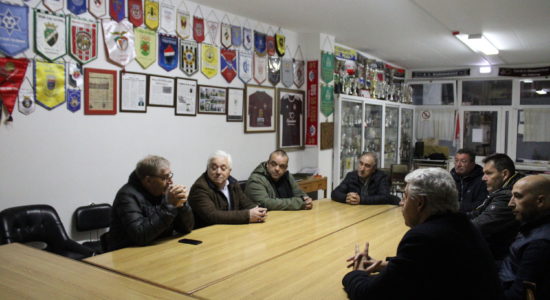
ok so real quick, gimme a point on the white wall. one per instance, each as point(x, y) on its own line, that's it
point(67, 159)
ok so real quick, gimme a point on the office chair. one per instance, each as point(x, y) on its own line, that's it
point(93, 217)
point(40, 224)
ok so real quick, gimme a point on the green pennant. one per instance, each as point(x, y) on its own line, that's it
point(327, 100)
point(327, 67)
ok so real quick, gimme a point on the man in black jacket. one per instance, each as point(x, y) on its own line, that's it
point(366, 185)
point(442, 256)
point(467, 175)
point(148, 207)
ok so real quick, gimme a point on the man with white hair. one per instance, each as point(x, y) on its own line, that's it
point(217, 198)
point(442, 256)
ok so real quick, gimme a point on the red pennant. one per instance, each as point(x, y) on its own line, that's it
point(198, 29)
point(270, 45)
point(135, 12)
point(228, 64)
point(12, 73)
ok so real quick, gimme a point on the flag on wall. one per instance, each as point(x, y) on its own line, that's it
point(14, 29)
point(49, 82)
point(117, 10)
point(228, 64)
point(151, 14)
point(209, 60)
point(198, 29)
point(135, 12)
point(97, 8)
point(287, 72)
point(119, 41)
point(245, 65)
point(77, 7)
point(168, 51)
point(12, 74)
point(183, 24)
point(49, 35)
point(82, 39)
point(274, 69)
point(145, 46)
point(189, 57)
point(260, 68)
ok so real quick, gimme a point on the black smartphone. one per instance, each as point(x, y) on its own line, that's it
point(190, 241)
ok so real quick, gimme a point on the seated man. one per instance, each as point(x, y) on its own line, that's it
point(271, 186)
point(148, 207)
point(529, 256)
point(493, 217)
point(467, 175)
point(442, 256)
point(217, 198)
point(367, 185)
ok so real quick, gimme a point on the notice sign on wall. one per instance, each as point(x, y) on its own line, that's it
point(312, 102)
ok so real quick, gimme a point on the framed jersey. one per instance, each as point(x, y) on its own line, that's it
point(290, 119)
point(259, 115)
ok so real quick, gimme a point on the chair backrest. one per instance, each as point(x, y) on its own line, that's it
point(398, 173)
point(93, 216)
point(242, 184)
point(31, 223)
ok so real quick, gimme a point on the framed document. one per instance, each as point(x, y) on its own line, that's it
point(212, 99)
point(186, 97)
point(133, 89)
point(160, 91)
point(290, 119)
point(100, 92)
point(259, 109)
point(235, 98)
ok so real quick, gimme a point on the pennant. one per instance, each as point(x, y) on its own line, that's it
point(77, 7)
point(212, 30)
point(151, 14)
point(119, 41)
point(14, 29)
point(183, 24)
point(145, 46)
point(49, 35)
point(135, 12)
point(312, 110)
point(117, 11)
point(97, 8)
point(225, 35)
point(75, 78)
point(189, 57)
point(327, 100)
point(260, 68)
point(26, 104)
point(12, 73)
point(270, 45)
point(245, 65)
point(299, 69)
point(73, 99)
point(247, 38)
point(259, 43)
point(236, 36)
point(280, 44)
point(82, 39)
point(327, 66)
point(168, 51)
point(49, 82)
point(209, 60)
point(198, 29)
point(54, 5)
point(228, 64)
point(287, 72)
point(167, 17)
point(274, 69)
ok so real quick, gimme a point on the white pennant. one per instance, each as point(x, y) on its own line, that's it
point(119, 41)
point(54, 5)
point(97, 8)
point(25, 103)
point(167, 17)
point(183, 21)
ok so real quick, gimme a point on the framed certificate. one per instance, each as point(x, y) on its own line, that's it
point(133, 90)
point(186, 97)
point(160, 91)
point(259, 109)
point(235, 99)
point(100, 92)
point(212, 99)
point(290, 119)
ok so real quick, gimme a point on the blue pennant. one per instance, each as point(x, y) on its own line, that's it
point(14, 29)
point(77, 7)
point(168, 51)
point(259, 42)
point(236, 36)
point(73, 100)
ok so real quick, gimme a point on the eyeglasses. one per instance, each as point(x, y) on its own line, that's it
point(164, 177)
point(275, 164)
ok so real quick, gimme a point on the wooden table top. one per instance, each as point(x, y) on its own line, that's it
point(230, 249)
point(28, 273)
point(314, 271)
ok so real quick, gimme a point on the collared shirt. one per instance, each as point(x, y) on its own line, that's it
point(225, 192)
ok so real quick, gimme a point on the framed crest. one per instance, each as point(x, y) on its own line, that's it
point(259, 114)
point(211, 99)
point(290, 119)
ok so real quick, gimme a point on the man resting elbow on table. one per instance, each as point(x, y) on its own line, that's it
point(366, 185)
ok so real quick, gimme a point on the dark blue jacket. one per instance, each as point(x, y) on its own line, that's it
point(378, 191)
point(471, 189)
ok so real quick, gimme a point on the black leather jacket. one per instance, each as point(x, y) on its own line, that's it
point(471, 189)
point(377, 192)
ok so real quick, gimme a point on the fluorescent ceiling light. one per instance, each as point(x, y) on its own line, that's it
point(478, 43)
point(485, 70)
point(527, 80)
point(541, 92)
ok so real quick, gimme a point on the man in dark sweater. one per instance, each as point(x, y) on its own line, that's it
point(467, 175)
point(442, 256)
point(529, 257)
point(366, 185)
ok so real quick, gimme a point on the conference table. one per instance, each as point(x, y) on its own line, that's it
point(29, 273)
point(299, 254)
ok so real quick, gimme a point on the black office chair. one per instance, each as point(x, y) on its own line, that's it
point(93, 217)
point(39, 224)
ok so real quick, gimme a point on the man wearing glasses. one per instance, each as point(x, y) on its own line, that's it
point(271, 186)
point(148, 207)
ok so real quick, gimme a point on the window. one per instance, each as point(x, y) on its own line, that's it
point(533, 139)
point(535, 92)
point(480, 131)
point(487, 92)
point(436, 93)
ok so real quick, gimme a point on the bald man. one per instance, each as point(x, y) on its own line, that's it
point(529, 257)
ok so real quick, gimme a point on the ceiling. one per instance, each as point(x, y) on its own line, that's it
point(414, 34)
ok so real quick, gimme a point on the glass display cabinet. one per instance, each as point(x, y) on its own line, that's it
point(391, 138)
point(406, 135)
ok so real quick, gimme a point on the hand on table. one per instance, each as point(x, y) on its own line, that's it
point(257, 214)
point(353, 198)
point(308, 201)
point(362, 261)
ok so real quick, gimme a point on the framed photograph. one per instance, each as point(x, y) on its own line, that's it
point(212, 99)
point(235, 99)
point(290, 119)
point(133, 89)
point(259, 109)
point(186, 97)
point(100, 91)
point(160, 91)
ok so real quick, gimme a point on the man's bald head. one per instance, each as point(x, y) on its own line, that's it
point(531, 198)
